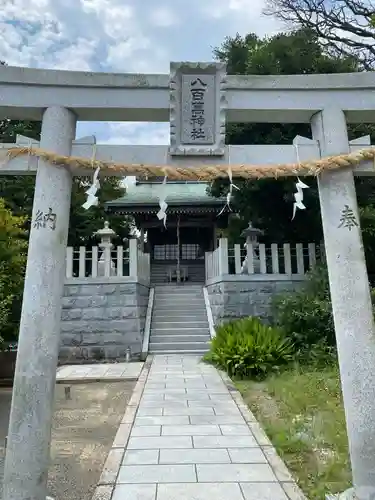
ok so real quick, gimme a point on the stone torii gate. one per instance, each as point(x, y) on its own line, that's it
point(197, 99)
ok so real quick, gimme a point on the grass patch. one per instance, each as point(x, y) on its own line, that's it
point(302, 412)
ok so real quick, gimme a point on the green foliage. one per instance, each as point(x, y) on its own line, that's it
point(306, 315)
point(318, 356)
point(18, 193)
point(83, 223)
point(248, 348)
point(13, 248)
point(268, 203)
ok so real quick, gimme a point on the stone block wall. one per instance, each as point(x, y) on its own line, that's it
point(238, 296)
point(100, 320)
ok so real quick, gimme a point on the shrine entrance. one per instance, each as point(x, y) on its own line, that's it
point(197, 99)
point(177, 247)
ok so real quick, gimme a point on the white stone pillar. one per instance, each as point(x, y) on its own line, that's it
point(133, 258)
point(351, 301)
point(223, 257)
point(28, 447)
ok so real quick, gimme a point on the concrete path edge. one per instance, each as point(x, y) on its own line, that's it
point(107, 481)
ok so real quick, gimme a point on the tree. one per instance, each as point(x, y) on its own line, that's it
point(344, 27)
point(268, 203)
point(18, 193)
point(13, 249)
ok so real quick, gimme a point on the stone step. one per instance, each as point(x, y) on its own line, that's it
point(178, 299)
point(183, 331)
point(177, 324)
point(192, 313)
point(179, 290)
point(183, 346)
point(192, 352)
point(157, 339)
point(196, 299)
point(180, 318)
point(186, 285)
point(172, 311)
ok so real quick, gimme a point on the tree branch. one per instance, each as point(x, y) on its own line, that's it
point(345, 26)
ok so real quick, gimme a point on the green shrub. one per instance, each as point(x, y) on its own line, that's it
point(13, 249)
point(306, 315)
point(248, 348)
point(318, 356)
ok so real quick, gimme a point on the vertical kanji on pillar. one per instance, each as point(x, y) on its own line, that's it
point(351, 300)
point(28, 446)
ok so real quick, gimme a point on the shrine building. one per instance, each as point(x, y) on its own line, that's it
point(193, 220)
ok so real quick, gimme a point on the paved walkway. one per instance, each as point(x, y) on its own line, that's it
point(101, 371)
point(192, 438)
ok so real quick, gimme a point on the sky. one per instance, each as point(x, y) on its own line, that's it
point(122, 36)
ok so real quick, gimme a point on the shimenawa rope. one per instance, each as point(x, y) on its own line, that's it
point(204, 172)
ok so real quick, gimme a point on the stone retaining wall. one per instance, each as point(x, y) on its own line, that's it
point(100, 320)
point(233, 297)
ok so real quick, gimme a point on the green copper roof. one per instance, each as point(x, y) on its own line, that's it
point(177, 193)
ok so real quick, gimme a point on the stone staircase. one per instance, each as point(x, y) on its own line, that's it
point(179, 321)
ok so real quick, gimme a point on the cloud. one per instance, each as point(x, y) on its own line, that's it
point(138, 133)
point(164, 17)
point(122, 36)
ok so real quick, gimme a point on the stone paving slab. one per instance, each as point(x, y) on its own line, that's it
point(95, 372)
point(188, 435)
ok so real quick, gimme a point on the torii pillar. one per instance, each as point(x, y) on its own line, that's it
point(28, 446)
point(351, 300)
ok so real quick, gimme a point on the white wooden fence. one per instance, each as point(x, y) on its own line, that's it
point(107, 263)
point(286, 259)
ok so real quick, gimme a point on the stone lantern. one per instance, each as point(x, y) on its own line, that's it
point(251, 234)
point(106, 234)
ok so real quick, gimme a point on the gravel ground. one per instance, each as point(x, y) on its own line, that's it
point(83, 430)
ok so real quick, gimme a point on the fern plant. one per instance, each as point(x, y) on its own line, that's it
point(248, 348)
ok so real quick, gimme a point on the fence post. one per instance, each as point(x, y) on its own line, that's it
point(69, 262)
point(120, 260)
point(223, 257)
point(287, 259)
point(133, 258)
point(300, 261)
point(237, 258)
point(82, 262)
point(312, 255)
point(94, 262)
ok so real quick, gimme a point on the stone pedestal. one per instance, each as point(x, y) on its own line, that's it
point(351, 301)
point(28, 447)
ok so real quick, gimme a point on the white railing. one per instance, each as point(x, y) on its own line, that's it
point(107, 263)
point(217, 261)
point(287, 259)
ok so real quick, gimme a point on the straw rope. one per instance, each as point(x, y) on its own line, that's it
point(204, 172)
